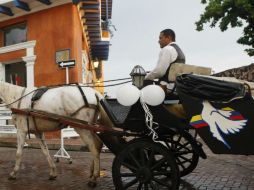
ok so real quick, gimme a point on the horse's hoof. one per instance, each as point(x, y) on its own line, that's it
point(11, 178)
point(52, 177)
point(91, 184)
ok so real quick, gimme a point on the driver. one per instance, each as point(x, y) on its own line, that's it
point(170, 53)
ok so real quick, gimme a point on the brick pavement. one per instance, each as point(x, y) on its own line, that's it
point(222, 172)
point(34, 171)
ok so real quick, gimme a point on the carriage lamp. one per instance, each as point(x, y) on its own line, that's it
point(138, 75)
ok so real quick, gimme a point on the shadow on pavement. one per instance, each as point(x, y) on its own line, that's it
point(184, 185)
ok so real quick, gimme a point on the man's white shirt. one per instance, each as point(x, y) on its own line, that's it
point(168, 55)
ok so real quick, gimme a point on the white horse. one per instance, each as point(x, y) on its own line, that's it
point(66, 101)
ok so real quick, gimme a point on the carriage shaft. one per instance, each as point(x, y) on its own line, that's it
point(63, 120)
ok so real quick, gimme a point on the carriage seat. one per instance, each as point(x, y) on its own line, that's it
point(177, 69)
point(116, 112)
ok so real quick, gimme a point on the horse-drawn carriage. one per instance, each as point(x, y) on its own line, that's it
point(153, 148)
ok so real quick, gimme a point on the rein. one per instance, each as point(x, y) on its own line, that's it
point(61, 85)
point(19, 99)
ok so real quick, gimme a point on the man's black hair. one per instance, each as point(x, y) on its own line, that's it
point(169, 32)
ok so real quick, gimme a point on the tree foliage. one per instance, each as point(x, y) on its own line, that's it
point(234, 13)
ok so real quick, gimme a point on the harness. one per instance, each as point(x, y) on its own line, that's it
point(39, 93)
point(27, 119)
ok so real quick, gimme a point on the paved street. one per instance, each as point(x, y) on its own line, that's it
point(217, 172)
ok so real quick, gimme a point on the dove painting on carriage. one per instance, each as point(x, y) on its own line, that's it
point(221, 112)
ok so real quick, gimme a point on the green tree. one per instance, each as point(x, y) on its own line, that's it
point(234, 13)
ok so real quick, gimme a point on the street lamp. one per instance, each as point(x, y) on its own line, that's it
point(96, 64)
point(138, 75)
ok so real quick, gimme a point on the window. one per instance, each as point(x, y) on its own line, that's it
point(15, 34)
point(15, 73)
point(62, 55)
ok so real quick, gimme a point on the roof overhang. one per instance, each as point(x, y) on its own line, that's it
point(15, 8)
point(94, 16)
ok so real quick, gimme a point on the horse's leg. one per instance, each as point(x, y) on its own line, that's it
point(21, 136)
point(94, 145)
point(44, 148)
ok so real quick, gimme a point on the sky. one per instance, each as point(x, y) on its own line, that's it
point(138, 24)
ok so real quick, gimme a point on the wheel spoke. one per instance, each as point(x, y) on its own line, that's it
point(184, 162)
point(185, 159)
point(158, 163)
point(179, 139)
point(151, 157)
point(134, 159)
point(128, 175)
point(129, 184)
point(183, 152)
point(153, 186)
point(142, 156)
point(180, 163)
point(130, 167)
point(146, 186)
point(181, 146)
point(166, 173)
point(140, 185)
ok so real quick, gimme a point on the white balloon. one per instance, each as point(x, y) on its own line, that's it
point(153, 95)
point(128, 95)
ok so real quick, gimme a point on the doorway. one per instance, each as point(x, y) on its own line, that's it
point(15, 73)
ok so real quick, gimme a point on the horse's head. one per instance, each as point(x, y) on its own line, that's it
point(9, 92)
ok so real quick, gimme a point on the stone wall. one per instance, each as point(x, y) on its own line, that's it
point(244, 73)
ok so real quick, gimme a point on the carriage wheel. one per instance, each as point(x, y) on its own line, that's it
point(145, 165)
point(186, 157)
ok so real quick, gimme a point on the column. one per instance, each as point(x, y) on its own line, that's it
point(2, 72)
point(30, 61)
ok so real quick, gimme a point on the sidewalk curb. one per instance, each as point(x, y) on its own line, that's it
point(72, 145)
